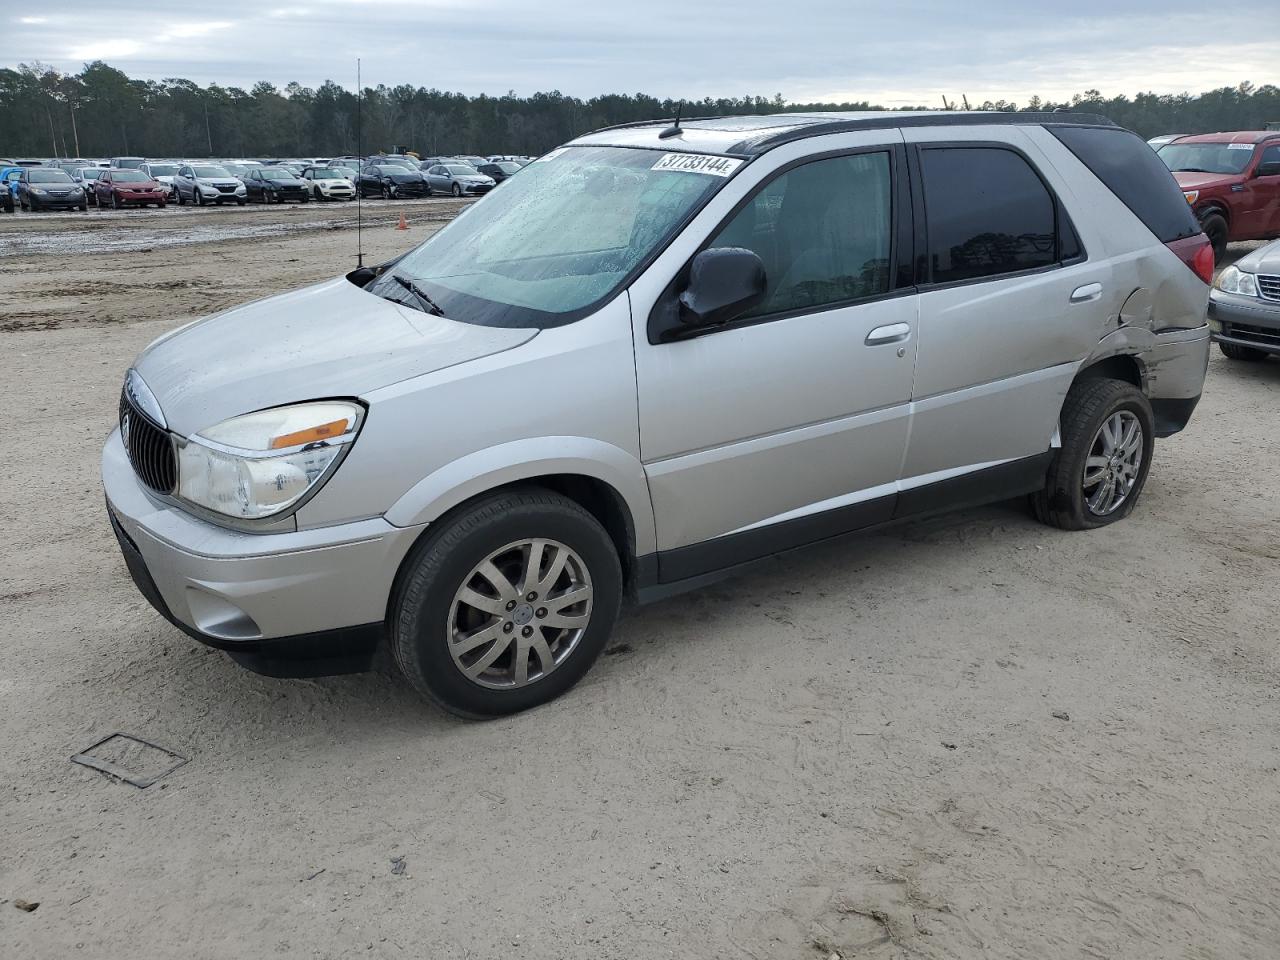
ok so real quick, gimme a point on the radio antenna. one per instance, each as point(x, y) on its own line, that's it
point(673, 130)
point(359, 172)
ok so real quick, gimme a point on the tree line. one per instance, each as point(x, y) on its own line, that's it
point(102, 112)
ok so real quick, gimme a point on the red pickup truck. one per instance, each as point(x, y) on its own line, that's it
point(1232, 181)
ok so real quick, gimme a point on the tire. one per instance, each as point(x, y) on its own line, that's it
point(1234, 351)
point(457, 191)
point(386, 192)
point(239, 201)
point(1215, 228)
point(423, 610)
point(162, 204)
point(316, 192)
point(1089, 405)
point(182, 200)
point(115, 201)
point(83, 208)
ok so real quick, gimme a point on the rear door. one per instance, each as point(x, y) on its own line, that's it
point(1009, 305)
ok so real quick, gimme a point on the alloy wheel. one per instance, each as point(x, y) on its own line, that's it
point(519, 614)
point(1114, 463)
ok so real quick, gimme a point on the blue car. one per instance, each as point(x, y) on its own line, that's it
point(9, 177)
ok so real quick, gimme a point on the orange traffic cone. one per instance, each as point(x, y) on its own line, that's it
point(403, 224)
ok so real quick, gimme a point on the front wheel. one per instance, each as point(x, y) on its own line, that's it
point(1108, 436)
point(115, 201)
point(1215, 228)
point(182, 199)
point(1234, 351)
point(507, 604)
point(457, 190)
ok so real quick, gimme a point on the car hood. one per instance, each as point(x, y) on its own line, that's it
point(1198, 181)
point(404, 177)
point(1263, 260)
point(329, 340)
point(137, 184)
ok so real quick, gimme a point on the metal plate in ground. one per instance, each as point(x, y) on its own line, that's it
point(130, 759)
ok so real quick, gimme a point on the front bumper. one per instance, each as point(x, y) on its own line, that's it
point(153, 196)
point(51, 203)
point(318, 597)
point(1245, 321)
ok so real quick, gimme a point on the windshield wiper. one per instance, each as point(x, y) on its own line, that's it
point(428, 305)
point(1192, 170)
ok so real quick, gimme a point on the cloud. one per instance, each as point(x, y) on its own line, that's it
point(812, 49)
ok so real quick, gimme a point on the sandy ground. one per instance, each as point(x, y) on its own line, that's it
point(859, 751)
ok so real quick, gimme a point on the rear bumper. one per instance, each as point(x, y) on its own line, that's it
point(1245, 322)
point(1175, 369)
point(316, 596)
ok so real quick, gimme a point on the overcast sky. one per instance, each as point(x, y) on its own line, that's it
point(803, 49)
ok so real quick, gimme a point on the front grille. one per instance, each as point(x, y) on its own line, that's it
point(1244, 331)
point(1269, 286)
point(225, 188)
point(149, 447)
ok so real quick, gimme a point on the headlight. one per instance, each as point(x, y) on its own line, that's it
point(39, 190)
point(1191, 195)
point(1232, 280)
point(259, 464)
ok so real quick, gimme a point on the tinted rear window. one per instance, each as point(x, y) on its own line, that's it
point(1132, 171)
point(988, 213)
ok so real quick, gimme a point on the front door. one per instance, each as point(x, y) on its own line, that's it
point(790, 423)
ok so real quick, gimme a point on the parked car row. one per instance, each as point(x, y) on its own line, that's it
point(136, 181)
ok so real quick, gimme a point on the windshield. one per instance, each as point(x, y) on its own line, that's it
point(390, 168)
point(461, 170)
point(557, 240)
point(90, 173)
point(507, 166)
point(326, 175)
point(48, 176)
point(129, 176)
point(162, 169)
point(275, 173)
point(129, 163)
point(1207, 157)
point(235, 169)
point(210, 172)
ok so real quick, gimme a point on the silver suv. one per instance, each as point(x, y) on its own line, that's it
point(659, 353)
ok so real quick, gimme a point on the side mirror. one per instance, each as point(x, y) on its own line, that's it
point(724, 282)
point(1269, 169)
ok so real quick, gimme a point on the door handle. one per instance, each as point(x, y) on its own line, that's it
point(890, 333)
point(1087, 293)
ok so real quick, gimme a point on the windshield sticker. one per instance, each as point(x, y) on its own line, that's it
point(550, 156)
point(698, 163)
point(1239, 146)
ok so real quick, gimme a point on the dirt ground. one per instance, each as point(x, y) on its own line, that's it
point(970, 737)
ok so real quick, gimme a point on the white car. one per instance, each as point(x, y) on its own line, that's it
point(164, 171)
point(326, 183)
point(203, 183)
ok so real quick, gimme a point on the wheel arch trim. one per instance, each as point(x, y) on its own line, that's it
point(528, 460)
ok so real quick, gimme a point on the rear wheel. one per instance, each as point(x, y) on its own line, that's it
point(1236, 352)
point(1108, 436)
point(1215, 228)
point(506, 605)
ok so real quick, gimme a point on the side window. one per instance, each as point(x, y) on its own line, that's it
point(987, 213)
point(1270, 155)
point(823, 231)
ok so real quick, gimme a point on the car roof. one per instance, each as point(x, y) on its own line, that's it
point(1239, 136)
point(748, 136)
